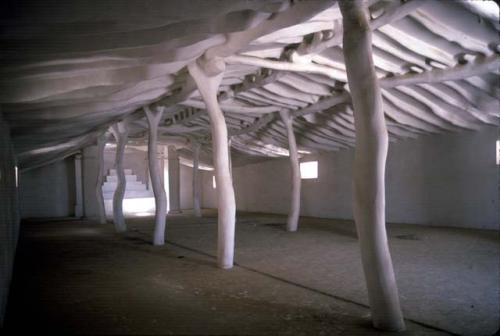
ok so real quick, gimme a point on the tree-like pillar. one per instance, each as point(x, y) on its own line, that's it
point(369, 167)
point(229, 145)
point(120, 132)
point(101, 143)
point(154, 118)
point(196, 180)
point(208, 79)
point(174, 180)
point(146, 170)
point(293, 215)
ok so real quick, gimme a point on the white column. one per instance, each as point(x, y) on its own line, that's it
point(208, 82)
point(369, 167)
point(293, 216)
point(154, 118)
point(229, 144)
point(78, 186)
point(174, 180)
point(148, 178)
point(101, 143)
point(196, 180)
point(120, 132)
point(162, 156)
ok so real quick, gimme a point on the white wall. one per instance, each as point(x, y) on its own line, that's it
point(444, 180)
point(209, 195)
point(89, 176)
point(9, 214)
point(449, 180)
point(186, 187)
point(48, 191)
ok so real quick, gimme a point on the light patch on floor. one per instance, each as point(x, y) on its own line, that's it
point(133, 207)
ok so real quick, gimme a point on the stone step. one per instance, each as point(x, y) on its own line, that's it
point(111, 186)
point(112, 172)
point(130, 194)
point(114, 178)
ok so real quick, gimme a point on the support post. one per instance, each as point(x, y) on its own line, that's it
point(78, 186)
point(120, 132)
point(154, 118)
point(293, 216)
point(208, 79)
point(174, 180)
point(196, 180)
point(101, 143)
point(369, 167)
point(148, 178)
point(229, 144)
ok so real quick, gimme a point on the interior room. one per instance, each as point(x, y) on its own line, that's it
point(233, 167)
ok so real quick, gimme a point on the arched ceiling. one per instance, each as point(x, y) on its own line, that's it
point(71, 69)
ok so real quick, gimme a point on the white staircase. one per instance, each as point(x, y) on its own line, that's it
point(134, 188)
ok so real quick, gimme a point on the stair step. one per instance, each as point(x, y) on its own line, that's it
point(111, 186)
point(130, 194)
point(114, 178)
point(112, 172)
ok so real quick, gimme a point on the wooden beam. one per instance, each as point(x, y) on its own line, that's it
point(479, 66)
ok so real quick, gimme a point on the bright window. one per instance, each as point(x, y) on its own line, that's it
point(498, 152)
point(309, 170)
point(214, 185)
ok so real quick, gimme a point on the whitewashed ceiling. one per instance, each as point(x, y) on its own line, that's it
point(69, 69)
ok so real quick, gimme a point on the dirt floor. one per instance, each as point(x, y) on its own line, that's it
point(78, 277)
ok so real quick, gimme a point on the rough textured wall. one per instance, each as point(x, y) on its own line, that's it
point(445, 180)
point(9, 214)
point(48, 191)
point(187, 187)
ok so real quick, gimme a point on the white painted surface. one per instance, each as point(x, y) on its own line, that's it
point(208, 78)
point(186, 191)
point(442, 180)
point(174, 179)
point(90, 170)
point(48, 191)
point(133, 159)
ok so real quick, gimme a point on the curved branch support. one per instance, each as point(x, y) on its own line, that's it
point(208, 82)
point(154, 118)
point(293, 217)
point(229, 144)
point(101, 143)
point(196, 179)
point(120, 132)
point(479, 66)
point(312, 68)
point(369, 167)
